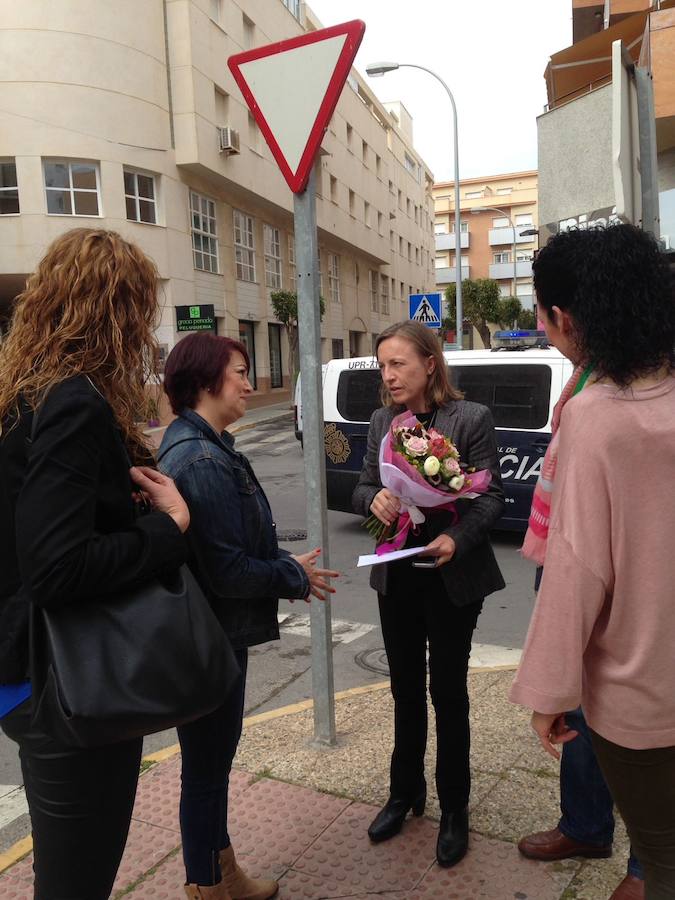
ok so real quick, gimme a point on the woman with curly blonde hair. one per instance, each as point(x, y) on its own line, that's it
point(72, 373)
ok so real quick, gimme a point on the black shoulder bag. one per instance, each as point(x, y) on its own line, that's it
point(113, 668)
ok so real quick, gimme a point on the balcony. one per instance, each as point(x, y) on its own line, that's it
point(505, 270)
point(447, 241)
point(446, 274)
point(499, 236)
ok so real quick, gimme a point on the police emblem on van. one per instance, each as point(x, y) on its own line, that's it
point(336, 444)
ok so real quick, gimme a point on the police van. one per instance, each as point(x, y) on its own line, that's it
point(520, 381)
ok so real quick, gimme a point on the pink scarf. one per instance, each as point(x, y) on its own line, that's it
point(534, 545)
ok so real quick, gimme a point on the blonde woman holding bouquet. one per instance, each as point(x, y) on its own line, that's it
point(437, 606)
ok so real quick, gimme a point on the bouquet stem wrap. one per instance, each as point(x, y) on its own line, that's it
point(413, 490)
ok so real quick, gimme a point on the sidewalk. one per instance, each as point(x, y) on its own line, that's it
point(300, 814)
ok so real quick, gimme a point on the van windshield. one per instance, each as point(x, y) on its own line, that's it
point(517, 395)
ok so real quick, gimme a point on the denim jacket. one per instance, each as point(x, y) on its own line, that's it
point(233, 545)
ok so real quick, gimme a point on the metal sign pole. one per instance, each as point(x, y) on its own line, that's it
point(309, 334)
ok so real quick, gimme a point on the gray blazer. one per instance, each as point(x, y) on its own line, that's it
point(473, 572)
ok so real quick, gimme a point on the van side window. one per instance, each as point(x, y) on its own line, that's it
point(358, 394)
point(517, 396)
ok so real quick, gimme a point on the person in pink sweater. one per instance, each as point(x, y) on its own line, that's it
point(602, 633)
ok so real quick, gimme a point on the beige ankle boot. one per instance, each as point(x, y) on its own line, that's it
point(237, 882)
point(204, 892)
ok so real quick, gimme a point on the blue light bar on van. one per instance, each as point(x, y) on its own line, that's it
point(514, 340)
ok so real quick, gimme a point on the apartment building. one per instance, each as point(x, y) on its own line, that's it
point(125, 116)
point(576, 124)
point(498, 231)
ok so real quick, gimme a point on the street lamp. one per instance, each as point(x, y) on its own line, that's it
point(513, 232)
point(381, 68)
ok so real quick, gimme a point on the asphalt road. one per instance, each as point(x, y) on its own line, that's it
point(280, 672)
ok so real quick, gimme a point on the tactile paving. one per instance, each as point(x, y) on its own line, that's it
point(300, 886)
point(146, 847)
point(491, 870)
point(275, 822)
point(344, 852)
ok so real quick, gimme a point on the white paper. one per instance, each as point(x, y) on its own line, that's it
point(372, 559)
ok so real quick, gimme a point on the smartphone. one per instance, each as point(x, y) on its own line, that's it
point(422, 562)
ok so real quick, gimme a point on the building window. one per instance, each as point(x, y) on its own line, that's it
point(473, 195)
point(441, 260)
point(366, 213)
point(9, 189)
point(417, 255)
point(333, 189)
point(524, 219)
point(400, 200)
point(393, 288)
point(244, 246)
point(523, 255)
point(410, 165)
point(380, 223)
point(204, 235)
point(293, 6)
point(72, 189)
point(140, 197)
point(249, 31)
point(501, 222)
point(364, 153)
point(291, 260)
point(504, 190)
point(274, 335)
point(384, 295)
point(378, 165)
point(215, 10)
point(350, 135)
point(463, 228)
point(503, 257)
point(337, 348)
point(352, 198)
point(374, 297)
point(400, 245)
point(392, 189)
point(409, 251)
point(334, 277)
point(247, 337)
point(272, 257)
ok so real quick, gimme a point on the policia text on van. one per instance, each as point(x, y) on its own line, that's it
point(519, 385)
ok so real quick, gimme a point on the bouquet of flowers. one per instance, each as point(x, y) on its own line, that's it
point(423, 469)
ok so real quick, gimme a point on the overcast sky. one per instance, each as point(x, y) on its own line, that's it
point(491, 53)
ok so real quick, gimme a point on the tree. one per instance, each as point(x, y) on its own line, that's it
point(480, 300)
point(527, 319)
point(285, 306)
point(508, 312)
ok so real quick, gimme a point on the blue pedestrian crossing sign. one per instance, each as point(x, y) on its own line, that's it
point(425, 308)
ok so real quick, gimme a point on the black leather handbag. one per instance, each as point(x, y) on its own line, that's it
point(133, 663)
point(129, 665)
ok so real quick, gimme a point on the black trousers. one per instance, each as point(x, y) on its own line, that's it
point(80, 804)
point(415, 613)
point(642, 783)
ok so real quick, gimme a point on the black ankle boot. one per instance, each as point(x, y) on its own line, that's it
point(453, 838)
point(391, 817)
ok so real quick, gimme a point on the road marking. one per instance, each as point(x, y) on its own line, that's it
point(344, 632)
point(12, 803)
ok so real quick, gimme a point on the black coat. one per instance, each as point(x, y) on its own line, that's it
point(473, 572)
point(69, 528)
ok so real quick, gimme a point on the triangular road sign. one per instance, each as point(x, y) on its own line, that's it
point(292, 88)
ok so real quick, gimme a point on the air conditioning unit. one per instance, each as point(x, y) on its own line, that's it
point(228, 140)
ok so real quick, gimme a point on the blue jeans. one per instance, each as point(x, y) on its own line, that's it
point(585, 801)
point(208, 747)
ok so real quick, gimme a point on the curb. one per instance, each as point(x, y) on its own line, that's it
point(248, 425)
point(23, 847)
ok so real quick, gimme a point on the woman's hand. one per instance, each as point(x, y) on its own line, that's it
point(318, 586)
point(385, 506)
point(442, 547)
point(551, 729)
point(162, 494)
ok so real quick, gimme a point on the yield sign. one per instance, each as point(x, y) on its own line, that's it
point(292, 88)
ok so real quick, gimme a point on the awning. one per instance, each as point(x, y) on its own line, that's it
point(587, 64)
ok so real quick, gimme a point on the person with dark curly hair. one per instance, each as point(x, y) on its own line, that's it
point(603, 630)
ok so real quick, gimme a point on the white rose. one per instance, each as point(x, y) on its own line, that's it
point(431, 465)
point(457, 483)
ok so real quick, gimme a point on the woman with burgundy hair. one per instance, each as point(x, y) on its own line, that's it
point(235, 556)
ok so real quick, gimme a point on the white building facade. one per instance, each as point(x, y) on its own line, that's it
point(125, 116)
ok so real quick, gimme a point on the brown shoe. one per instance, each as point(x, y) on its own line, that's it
point(550, 845)
point(237, 882)
point(206, 892)
point(631, 888)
